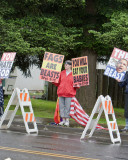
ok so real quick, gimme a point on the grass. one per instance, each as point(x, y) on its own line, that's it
point(42, 108)
point(119, 114)
point(46, 109)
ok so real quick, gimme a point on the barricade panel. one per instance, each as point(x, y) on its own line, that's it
point(106, 105)
point(22, 99)
point(29, 117)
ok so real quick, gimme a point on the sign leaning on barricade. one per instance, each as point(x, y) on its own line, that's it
point(20, 99)
point(103, 104)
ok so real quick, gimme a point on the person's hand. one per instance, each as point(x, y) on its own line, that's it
point(118, 80)
point(50, 81)
point(78, 86)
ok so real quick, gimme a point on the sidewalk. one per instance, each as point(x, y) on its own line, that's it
point(45, 124)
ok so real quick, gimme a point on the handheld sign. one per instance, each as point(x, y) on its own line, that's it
point(117, 64)
point(51, 67)
point(80, 71)
point(6, 64)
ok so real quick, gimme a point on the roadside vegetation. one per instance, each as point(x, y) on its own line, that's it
point(46, 109)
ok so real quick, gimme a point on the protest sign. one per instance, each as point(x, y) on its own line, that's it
point(51, 67)
point(6, 64)
point(117, 64)
point(80, 71)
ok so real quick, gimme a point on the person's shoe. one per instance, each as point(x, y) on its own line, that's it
point(62, 123)
point(67, 122)
point(124, 130)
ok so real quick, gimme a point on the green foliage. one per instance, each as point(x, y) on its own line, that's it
point(111, 27)
point(12, 40)
point(108, 7)
point(5, 9)
point(71, 12)
point(30, 36)
point(31, 27)
point(114, 33)
point(47, 31)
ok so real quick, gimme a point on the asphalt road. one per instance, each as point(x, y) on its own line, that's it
point(55, 143)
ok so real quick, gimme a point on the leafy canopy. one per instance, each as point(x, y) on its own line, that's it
point(31, 27)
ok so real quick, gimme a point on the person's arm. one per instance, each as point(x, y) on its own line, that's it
point(57, 84)
point(76, 87)
point(124, 82)
point(1, 80)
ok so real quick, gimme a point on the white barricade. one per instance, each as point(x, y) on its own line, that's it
point(103, 104)
point(20, 99)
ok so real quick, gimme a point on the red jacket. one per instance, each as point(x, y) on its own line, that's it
point(65, 85)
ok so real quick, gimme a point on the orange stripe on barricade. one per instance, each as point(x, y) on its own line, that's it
point(21, 94)
point(112, 110)
point(113, 125)
point(26, 117)
point(106, 106)
point(100, 105)
point(25, 96)
point(31, 116)
point(109, 107)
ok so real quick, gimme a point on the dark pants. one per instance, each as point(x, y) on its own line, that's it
point(126, 106)
point(1, 101)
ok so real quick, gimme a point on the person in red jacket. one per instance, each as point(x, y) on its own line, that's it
point(65, 92)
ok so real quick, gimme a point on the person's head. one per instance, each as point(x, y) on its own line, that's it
point(68, 65)
point(121, 65)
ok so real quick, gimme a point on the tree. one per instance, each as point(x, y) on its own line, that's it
point(31, 30)
point(114, 32)
point(69, 27)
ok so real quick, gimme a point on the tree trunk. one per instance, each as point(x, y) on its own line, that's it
point(86, 95)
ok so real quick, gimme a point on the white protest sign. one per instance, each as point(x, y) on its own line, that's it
point(6, 64)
